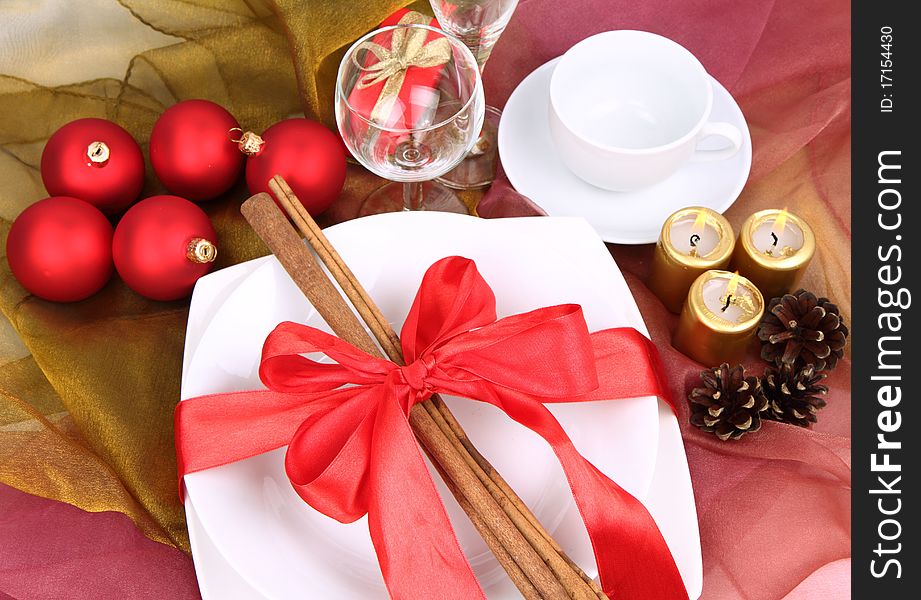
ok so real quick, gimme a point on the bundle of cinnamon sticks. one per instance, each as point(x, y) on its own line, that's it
point(533, 560)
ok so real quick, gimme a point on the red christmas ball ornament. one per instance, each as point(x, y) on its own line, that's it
point(193, 150)
point(310, 157)
point(60, 249)
point(162, 246)
point(94, 160)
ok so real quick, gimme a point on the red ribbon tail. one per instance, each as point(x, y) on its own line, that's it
point(633, 559)
point(418, 551)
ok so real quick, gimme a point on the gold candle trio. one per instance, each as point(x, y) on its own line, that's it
point(720, 311)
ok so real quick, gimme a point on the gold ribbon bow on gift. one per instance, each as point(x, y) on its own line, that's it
point(408, 48)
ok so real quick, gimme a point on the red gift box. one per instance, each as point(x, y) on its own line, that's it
point(414, 104)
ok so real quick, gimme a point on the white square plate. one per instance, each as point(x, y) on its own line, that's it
point(246, 519)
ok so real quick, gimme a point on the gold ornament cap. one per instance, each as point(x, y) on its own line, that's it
point(249, 143)
point(201, 251)
point(98, 154)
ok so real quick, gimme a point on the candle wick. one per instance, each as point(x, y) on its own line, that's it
point(694, 239)
point(776, 239)
point(728, 302)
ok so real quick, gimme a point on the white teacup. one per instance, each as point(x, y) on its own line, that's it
point(628, 108)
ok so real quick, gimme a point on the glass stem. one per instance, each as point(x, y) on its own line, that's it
point(477, 148)
point(412, 195)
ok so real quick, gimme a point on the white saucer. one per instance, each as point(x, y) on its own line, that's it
point(529, 158)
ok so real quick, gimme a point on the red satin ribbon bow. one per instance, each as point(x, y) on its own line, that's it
point(351, 451)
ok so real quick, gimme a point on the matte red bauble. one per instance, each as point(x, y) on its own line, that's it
point(192, 150)
point(60, 249)
point(310, 157)
point(94, 160)
point(162, 246)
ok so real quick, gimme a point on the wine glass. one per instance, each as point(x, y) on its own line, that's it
point(409, 106)
point(477, 23)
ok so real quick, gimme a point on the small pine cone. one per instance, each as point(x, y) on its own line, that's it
point(795, 395)
point(800, 329)
point(730, 404)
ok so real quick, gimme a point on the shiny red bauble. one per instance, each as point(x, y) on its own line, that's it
point(60, 249)
point(310, 157)
point(162, 246)
point(94, 160)
point(192, 150)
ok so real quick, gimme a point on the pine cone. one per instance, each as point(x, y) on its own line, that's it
point(794, 394)
point(730, 404)
point(801, 329)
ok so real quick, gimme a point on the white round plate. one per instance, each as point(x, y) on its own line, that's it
point(278, 544)
point(532, 165)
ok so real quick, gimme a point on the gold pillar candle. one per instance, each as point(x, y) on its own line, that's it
point(773, 251)
point(693, 240)
point(719, 318)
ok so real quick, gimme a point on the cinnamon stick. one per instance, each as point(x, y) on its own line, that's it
point(500, 482)
point(579, 585)
point(510, 547)
point(518, 577)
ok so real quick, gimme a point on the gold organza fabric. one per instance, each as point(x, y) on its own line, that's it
point(87, 390)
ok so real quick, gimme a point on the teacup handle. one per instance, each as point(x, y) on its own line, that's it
point(724, 130)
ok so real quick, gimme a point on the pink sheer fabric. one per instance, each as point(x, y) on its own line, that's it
point(54, 551)
point(774, 507)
